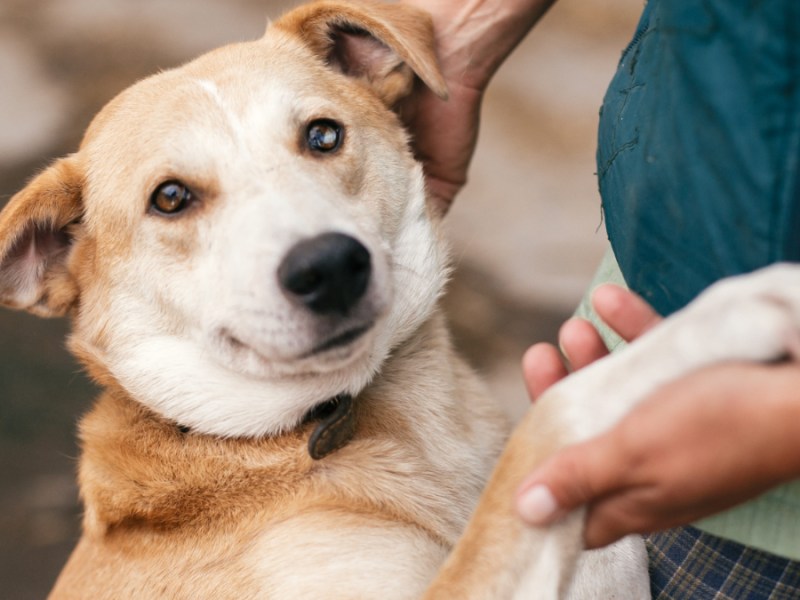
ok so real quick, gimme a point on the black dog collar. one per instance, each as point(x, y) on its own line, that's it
point(336, 426)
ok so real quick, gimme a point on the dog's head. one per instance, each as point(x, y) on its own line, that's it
point(247, 235)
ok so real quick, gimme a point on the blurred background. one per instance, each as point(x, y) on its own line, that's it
point(527, 232)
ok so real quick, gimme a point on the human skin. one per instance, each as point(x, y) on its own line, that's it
point(473, 39)
point(697, 446)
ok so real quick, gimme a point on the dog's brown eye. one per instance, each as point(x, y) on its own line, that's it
point(171, 197)
point(324, 135)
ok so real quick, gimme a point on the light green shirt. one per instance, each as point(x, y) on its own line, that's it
point(771, 522)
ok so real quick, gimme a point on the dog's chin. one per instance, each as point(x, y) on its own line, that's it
point(345, 342)
point(345, 350)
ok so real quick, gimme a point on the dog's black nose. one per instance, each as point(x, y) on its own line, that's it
point(328, 273)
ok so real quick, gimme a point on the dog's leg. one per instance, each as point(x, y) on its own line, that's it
point(750, 318)
point(498, 557)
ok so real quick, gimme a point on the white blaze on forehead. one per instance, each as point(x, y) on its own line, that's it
point(233, 120)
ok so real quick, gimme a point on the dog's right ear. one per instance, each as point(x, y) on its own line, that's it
point(385, 45)
point(36, 233)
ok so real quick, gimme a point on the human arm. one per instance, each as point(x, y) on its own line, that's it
point(473, 39)
point(699, 445)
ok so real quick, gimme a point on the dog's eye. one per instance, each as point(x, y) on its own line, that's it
point(324, 135)
point(171, 197)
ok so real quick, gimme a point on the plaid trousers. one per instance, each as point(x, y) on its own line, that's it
point(686, 563)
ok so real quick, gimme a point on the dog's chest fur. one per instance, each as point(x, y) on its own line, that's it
point(398, 494)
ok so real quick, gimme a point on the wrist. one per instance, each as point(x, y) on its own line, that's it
point(781, 402)
point(756, 408)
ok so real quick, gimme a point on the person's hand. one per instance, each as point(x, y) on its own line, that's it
point(622, 310)
point(697, 446)
point(445, 133)
point(701, 444)
point(472, 41)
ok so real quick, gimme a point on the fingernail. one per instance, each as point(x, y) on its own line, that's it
point(537, 506)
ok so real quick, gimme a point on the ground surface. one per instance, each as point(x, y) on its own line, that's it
point(527, 232)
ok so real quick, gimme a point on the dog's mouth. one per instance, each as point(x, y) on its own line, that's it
point(339, 340)
point(337, 344)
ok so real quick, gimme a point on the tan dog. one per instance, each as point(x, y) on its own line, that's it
point(252, 272)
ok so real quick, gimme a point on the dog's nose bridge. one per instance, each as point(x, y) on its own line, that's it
point(267, 206)
point(290, 197)
point(328, 273)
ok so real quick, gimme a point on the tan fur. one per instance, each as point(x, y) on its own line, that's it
point(491, 556)
point(50, 202)
point(175, 514)
point(195, 473)
point(409, 33)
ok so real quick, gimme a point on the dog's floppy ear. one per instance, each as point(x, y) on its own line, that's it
point(35, 237)
point(382, 44)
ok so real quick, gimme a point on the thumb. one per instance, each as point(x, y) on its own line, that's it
point(574, 476)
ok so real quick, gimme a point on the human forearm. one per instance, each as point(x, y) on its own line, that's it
point(777, 395)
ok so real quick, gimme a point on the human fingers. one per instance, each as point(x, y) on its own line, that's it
point(624, 311)
point(581, 343)
point(542, 366)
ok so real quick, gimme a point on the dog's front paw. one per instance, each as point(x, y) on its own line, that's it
point(752, 317)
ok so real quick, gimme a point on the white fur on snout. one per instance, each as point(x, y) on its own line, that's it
point(247, 246)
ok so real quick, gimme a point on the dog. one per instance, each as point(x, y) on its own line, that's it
point(252, 270)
